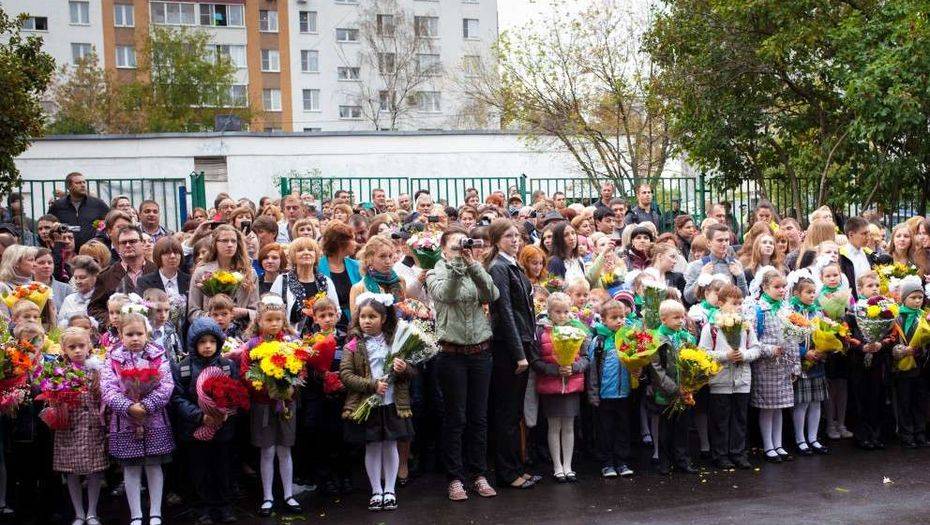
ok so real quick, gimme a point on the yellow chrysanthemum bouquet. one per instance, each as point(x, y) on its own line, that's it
point(277, 368)
point(221, 281)
point(695, 369)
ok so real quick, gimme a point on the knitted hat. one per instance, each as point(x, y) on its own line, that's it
point(910, 285)
point(625, 297)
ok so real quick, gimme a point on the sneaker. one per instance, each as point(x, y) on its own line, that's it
point(483, 488)
point(625, 471)
point(608, 472)
point(457, 491)
point(844, 433)
point(833, 432)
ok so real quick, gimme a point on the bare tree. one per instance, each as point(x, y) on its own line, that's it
point(397, 59)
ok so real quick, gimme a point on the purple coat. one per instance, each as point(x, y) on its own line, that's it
point(156, 438)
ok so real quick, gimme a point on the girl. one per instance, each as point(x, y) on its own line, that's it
point(559, 388)
point(378, 275)
point(533, 261)
point(776, 367)
point(708, 286)
point(837, 364)
point(110, 337)
point(565, 263)
point(272, 430)
point(361, 372)
point(811, 388)
point(140, 431)
point(901, 244)
point(226, 251)
point(81, 449)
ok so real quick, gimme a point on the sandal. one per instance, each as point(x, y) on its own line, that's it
point(264, 511)
point(390, 501)
point(155, 518)
point(376, 502)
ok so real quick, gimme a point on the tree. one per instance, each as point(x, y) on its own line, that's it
point(25, 72)
point(582, 79)
point(397, 58)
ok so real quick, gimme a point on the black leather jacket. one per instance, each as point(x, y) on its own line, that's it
point(512, 318)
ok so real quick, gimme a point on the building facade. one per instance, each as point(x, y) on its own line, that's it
point(303, 65)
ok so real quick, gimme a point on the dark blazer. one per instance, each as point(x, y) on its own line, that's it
point(153, 280)
point(677, 281)
point(90, 210)
point(846, 266)
point(109, 282)
point(512, 319)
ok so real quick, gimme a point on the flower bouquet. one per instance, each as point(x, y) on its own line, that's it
point(828, 335)
point(426, 248)
point(277, 367)
point(322, 349)
point(61, 386)
point(139, 382)
point(309, 302)
point(795, 326)
point(221, 281)
point(695, 369)
point(635, 349)
point(890, 275)
point(412, 309)
point(612, 276)
point(34, 292)
point(732, 325)
point(231, 344)
point(332, 383)
point(654, 293)
point(415, 344)
point(552, 284)
point(835, 305)
point(875, 317)
point(15, 364)
point(219, 396)
point(566, 345)
point(177, 310)
point(585, 316)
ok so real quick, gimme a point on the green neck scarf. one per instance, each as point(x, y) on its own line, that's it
point(678, 337)
point(826, 290)
point(608, 335)
point(375, 280)
point(910, 316)
point(710, 309)
point(798, 306)
point(774, 303)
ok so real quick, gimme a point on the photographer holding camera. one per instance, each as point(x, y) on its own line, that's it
point(459, 287)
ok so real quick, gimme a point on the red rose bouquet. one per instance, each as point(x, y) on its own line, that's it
point(219, 396)
point(139, 382)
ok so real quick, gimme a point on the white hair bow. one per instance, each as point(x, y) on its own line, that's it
point(273, 300)
point(384, 298)
point(706, 278)
point(135, 305)
point(755, 287)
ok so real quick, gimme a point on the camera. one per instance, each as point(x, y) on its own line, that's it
point(484, 221)
point(469, 243)
point(62, 228)
point(433, 218)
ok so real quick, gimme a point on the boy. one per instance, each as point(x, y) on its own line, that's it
point(673, 426)
point(578, 290)
point(209, 461)
point(909, 387)
point(609, 392)
point(220, 310)
point(163, 333)
point(869, 368)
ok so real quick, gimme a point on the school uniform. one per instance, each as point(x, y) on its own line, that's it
point(608, 391)
point(772, 376)
point(910, 392)
point(673, 425)
point(870, 375)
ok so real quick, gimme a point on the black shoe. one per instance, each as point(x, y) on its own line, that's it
point(292, 506)
point(724, 464)
point(908, 443)
point(820, 449)
point(705, 455)
point(204, 519)
point(330, 488)
point(227, 515)
point(804, 449)
point(686, 468)
point(742, 463)
point(663, 468)
point(879, 445)
point(785, 456)
point(772, 458)
point(264, 511)
point(346, 486)
point(865, 445)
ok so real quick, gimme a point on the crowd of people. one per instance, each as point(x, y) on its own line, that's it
point(124, 292)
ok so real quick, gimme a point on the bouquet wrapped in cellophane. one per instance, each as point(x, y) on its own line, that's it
point(732, 325)
point(221, 281)
point(890, 275)
point(875, 317)
point(695, 369)
point(425, 248)
point(653, 295)
point(566, 345)
point(828, 335)
point(220, 396)
point(415, 343)
point(277, 368)
point(635, 348)
point(795, 326)
point(61, 386)
point(834, 306)
point(35, 292)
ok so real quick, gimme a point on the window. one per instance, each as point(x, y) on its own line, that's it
point(348, 73)
point(174, 13)
point(470, 28)
point(386, 63)
point(346, 35)
point(268, 21)
point(386, 25)
point(271, 60)
point(238, 96)
point(36, 23)
point(347, 2)
point(428, 101)
point(311, 100)
point(125, 57)
point(313, 129)
point(308, 22)
point(309, 61)
point(222, 15)
point(271, 99)
point(350, 112)
point(124, 15)
point(471, 64)
point(386, 101)
point(429, 64)
point(80, 12)
point(79, 51)
point(235, 54)
point(426, 26)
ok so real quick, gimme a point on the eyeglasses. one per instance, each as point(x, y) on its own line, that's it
point(128, 242)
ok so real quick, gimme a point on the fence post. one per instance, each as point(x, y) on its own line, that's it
point(182, 204)
point(285, 186)
point(198, 190)
point(701, 200)
point(522, 187)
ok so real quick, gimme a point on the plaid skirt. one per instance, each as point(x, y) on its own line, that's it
point(771, 384)
point(81, 449)
point(807, 389)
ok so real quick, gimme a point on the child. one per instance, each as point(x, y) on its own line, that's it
point(596, 298)
point(80, 450)
point(220, 310)
point(729, 390)
point(163, 333)
point(811, 387)
point(776, 367)
point(559, 387)
point(673, 426)
point(25, 311)
point(708, 287)
point(273, 431)
point(578, 290)
point(609, 392)
point(110, 337)
point(869, 369)
point(363, 361)
point(908, 385)
point(140, 431)
point(837, 364)
point(210, 461)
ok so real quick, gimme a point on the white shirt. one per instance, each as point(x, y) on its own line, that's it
point(377, 353)
point(284, 237)
point(859, 259)
point(74, 304)
point(170, 284)
point(508, 258)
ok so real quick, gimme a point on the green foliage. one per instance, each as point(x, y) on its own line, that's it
point(25, 72)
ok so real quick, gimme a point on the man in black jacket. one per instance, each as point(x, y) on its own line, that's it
point(78, 209)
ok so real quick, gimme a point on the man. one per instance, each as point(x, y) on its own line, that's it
point(265, 229)
point(359, 225)
point(293, 212)
point(342, 197)
point(424, 203)
point(44, 228)
point(855, 258)
point(537, 196)
point(792, 230)
point(644, 210)
point(720, 261)
point(668, 218)
point(619, 208)
point(121, 276)
point(514, 204)
point(78, 209)
point(403, 201)
point(379, 198)
point(719, 213)
point(604, 220)
point(149, 217)
point(558, 199)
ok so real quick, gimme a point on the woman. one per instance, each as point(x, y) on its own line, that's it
point(636, 253)
point(168, 256)
point(902, 244)
point(818, 232)
point(468, 217)
point(198, 215)
point(583, 224)
point(565, 261)
point(459, 287)
point(756, 230)
point(532, 260)
point(921, 248)
point(224, 208)
point(84, 270)
point(226, 251)
point(664, 257)
point(513, 327)
point(383, 224)
point(763, 253)
point(148, 247)
point(44, 268)
point(16, 268)
point(684, 234)
point(240, 216)
point(98, 251)
point(342, 212)
point(783, 243)
point(337, 263)
point(764, 213)
point(273, 262)
point(303, 281)
point(378, 275)
point(274, 212)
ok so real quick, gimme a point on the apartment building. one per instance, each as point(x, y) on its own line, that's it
point(306, 65)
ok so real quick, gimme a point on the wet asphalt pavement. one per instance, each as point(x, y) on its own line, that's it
point(846, 487)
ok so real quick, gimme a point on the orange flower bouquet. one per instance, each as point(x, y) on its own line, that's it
point(35, 292)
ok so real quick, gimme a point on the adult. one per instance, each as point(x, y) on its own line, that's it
point(720, 213)
point(644, 210)
point(558, 200)
point(342, 197)
point(459, 287)
point(637, 252)
point(606, 194)
point(403, 201)
point(77, 209)
point(514, 330)
point(855, 258)
point(44, 227)
point(122, 203)
point(150, 220)
point(664, 257)
point(424, 204)
point(293, 212)
point(902, 244)
point(922, 247)
point(763, 253)
point(719, 260)
point(226, 252)
point(565, 262)
point(167, 256)
point(272, 261)
point(604, 220)
point(583, 224)
point(224, 206)
point(818, 232)
point(44, 268)
point(379, 199)
point(764, 213)
point(301, 282)
point(620, 208)
point(337, 263)
point(684, 234)
point(756, 230)
point(378, 275)
point(14, 213)
point(266, 230)
point(122, 275)
point(669, 216)
point(115, 221)
point(790, 227)
point(84, 270)
point(16, 268)
point(359, 225)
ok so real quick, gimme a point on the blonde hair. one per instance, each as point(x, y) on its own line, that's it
point(11, 259)
point(73, 332)
point(371, 248)
point(560, 298)
point(129, 318)
point(96, 250)
point(578, 283)
point(299, 244)
point(28, 328)
point(21, 306)
point(117, 299)
point(669, 307)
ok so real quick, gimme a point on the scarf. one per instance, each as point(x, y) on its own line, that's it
point(608, 335)
point(677, 337)
point(774, 303)
point(375, 280)
point(910, 316)
point(710, 309)
point(826, 290)
point(300, 295)
point(800, 307)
